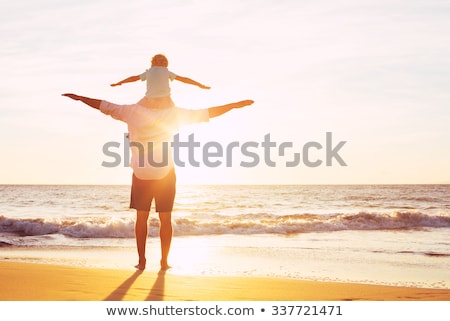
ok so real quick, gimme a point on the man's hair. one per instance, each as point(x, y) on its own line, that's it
point(160, 60)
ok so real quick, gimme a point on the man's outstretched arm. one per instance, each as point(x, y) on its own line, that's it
point(220, 110)
point(94, 103)
point(213, 111)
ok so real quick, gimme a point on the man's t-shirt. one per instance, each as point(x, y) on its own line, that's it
point(150, 134)
point(157, 81)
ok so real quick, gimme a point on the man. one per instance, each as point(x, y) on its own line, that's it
point(150, 131)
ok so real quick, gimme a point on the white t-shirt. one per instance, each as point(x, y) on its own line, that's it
point(157, 81)
point(150, 134)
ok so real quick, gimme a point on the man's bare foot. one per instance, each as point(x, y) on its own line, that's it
point(141, 265)
point(165, 265)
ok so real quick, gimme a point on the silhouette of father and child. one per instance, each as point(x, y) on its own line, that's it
point(155, 118)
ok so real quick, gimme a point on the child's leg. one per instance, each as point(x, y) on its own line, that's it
point(146, 102)
point(162, 102)
point(157, 103)
point(168, 102)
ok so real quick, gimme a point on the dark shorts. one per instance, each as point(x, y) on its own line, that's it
point(162, 190)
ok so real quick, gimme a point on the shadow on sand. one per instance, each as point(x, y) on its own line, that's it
point(156, 292)
point(119, 293)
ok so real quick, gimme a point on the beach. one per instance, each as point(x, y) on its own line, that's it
point(44, 282)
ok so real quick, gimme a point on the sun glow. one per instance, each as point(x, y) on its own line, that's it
point(189, 255)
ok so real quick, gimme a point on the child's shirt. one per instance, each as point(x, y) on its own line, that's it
point(157, 81)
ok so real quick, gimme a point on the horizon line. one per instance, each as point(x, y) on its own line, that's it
point(223, 184)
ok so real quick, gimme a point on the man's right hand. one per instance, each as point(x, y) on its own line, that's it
point(72, 96)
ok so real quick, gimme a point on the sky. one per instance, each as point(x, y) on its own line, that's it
point(373, 74)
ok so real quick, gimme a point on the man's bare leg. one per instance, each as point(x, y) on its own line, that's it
point(165, 234)
point(141, 232)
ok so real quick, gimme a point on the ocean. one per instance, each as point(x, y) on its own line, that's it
point(373, 234)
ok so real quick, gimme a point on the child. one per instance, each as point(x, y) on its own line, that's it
point(158, 89)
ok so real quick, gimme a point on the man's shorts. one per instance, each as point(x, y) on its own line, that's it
point(162, 190)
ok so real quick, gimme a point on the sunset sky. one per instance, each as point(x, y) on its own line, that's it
point(374, 73)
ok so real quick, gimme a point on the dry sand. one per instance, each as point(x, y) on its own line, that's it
point(40, 282)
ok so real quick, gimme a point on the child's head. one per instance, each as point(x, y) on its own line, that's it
point(159, 60)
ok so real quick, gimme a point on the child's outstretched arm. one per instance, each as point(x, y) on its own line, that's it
point(129, 79)
point(191, 82)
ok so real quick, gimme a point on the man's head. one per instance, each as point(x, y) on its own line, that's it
point(159, 60)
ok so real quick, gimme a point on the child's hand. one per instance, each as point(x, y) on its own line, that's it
point(243, 103)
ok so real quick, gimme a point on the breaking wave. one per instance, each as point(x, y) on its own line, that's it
point(107, 227)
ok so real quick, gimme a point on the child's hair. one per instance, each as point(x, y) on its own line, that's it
point(160, 60)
